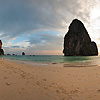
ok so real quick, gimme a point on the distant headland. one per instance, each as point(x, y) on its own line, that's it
point(1, 50)
point(77, 41)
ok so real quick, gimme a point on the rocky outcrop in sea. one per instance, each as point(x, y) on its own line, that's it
point(1, 50)
point(77, 41)
point(23, 53)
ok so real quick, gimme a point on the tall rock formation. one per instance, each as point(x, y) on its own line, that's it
point(23, 53)
point(77, 41)
point(1, 50)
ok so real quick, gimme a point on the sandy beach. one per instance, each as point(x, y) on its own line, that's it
point(20, 81)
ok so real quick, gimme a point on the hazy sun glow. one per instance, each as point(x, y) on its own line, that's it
point(94, 26)
point(95, 13)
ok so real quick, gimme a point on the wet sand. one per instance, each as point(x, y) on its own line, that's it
point(19, 81)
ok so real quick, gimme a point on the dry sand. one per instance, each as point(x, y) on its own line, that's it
point(53, 82)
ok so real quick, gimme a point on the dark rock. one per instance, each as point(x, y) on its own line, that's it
point(77, 41)
point(0, 44)
point(23, 53)
point(8, 54)
point(1, 52)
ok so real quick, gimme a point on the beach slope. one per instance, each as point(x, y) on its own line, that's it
point(20, 81)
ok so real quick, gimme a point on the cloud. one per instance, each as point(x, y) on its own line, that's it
point(46, 42)
point(45, 38)
point(15, 46)
point(23, 16)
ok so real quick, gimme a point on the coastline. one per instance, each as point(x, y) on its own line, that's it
point(74, 64)
point(20, 81)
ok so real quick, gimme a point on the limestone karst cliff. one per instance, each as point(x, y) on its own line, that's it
point(77, 41)
point(23, 53)
point(1, 50)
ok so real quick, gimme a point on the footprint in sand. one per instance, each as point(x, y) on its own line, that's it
point(5, 77)
point(99, 90)
point(7, 83)
point(44, 79)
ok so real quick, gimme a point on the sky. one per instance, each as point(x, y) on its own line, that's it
point(38, 27)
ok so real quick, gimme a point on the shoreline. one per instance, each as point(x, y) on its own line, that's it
point(30, 63)
point(74, 64)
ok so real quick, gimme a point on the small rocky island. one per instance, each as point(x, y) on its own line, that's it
point(1, 50)
point(77, 41)
point(23, 53)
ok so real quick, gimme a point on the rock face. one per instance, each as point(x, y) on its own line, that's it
point(1, 50)
point(23, 53)
point(0, 44)
point(77, 41)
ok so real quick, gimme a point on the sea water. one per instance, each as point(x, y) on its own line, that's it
point(93, 60)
